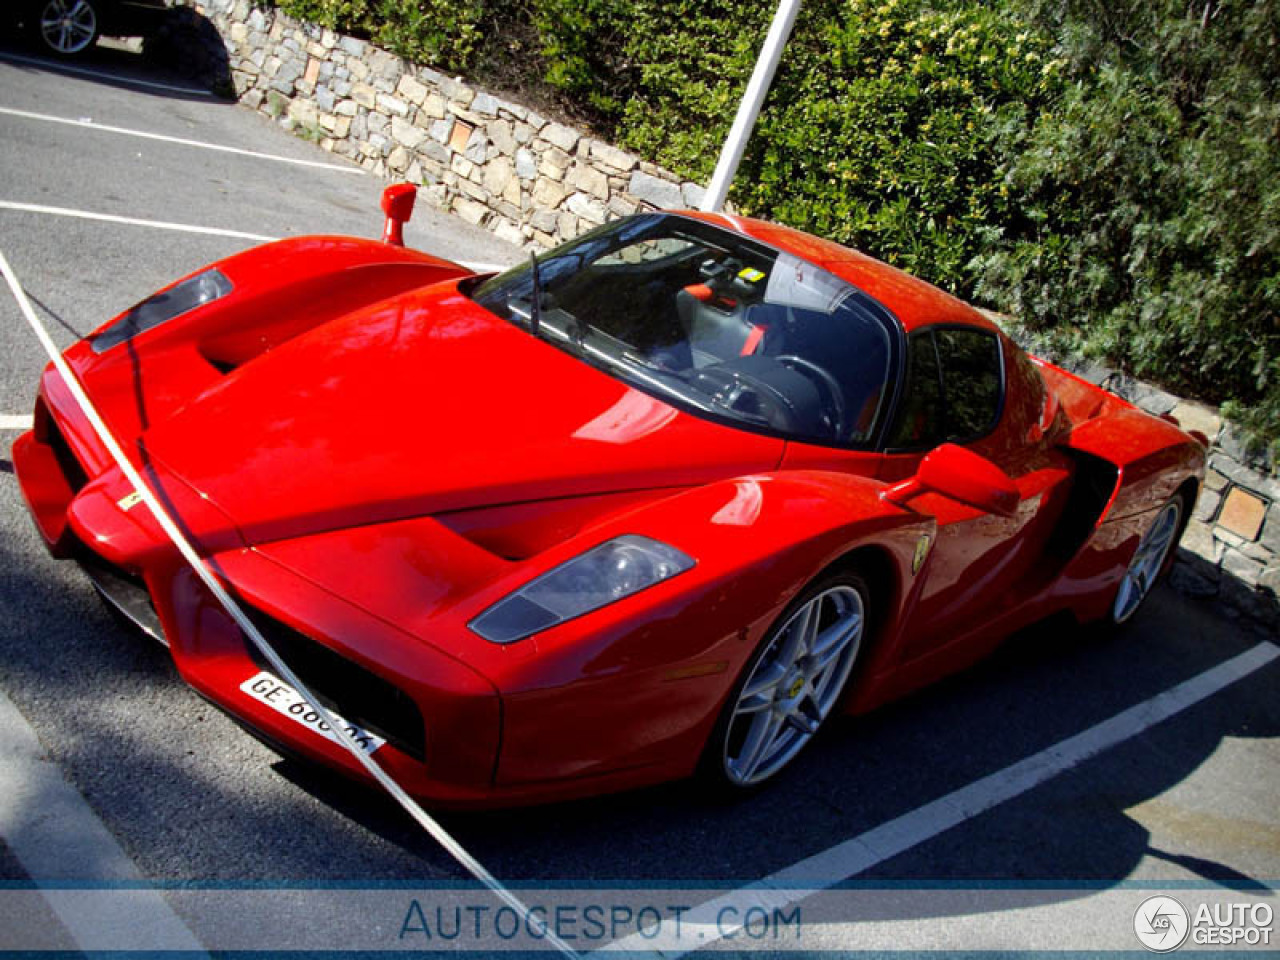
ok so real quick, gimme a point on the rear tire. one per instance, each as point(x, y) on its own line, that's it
point(791, 685)
point(1150, 562)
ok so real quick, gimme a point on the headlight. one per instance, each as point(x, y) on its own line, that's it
point(609, 572)
point(159, 308)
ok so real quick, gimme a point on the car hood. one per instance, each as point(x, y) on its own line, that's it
point(423, 404)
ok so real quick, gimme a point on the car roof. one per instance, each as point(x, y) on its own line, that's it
point(914, 302)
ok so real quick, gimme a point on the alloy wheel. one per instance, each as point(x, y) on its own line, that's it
point(68, 26)
point(795, 682)
point(1147, 562)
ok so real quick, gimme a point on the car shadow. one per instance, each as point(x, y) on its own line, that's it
point(190, 45)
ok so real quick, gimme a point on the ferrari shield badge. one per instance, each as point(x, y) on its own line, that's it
point(128, 503)
point(922, 551)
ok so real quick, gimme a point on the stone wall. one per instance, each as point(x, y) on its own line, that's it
point(536, 182)
point(532, 181)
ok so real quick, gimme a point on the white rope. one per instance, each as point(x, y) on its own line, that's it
point(345, 737)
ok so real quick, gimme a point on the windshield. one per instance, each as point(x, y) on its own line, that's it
point(709, 319)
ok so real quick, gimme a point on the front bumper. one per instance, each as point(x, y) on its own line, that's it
point(440, 718)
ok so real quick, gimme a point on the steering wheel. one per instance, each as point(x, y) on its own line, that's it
point(729, 388)
point(836, 417)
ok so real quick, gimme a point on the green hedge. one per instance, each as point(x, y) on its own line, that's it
point(444, 32)
point(1108, 172)
point(1154, 183)
point(886, 132)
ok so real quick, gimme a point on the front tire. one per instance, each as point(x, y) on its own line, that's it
point(791, 685)
point(66, 28)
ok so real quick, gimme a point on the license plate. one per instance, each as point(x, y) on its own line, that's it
point(279, 696)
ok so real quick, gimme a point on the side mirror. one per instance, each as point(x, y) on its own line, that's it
point(959, 474)
point(397, 204)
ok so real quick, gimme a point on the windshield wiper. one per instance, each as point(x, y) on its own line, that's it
point(632, 357)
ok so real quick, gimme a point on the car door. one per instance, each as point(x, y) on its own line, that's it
point(968, 385)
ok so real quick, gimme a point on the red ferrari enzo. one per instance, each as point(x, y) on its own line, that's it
point(659, 501)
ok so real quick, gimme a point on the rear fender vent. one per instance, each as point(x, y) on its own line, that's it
point(1091, 490)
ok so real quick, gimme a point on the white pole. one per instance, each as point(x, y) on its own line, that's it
point(752, 101)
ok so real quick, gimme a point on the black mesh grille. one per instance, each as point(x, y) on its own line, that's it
point(71, 469)
point(343, 686)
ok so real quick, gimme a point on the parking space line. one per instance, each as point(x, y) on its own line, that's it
point(56, 836)
point(9, 421)
point(88, 124)
point(705, 924)
point(102, 75)
point(185, 228)
point(132, 221)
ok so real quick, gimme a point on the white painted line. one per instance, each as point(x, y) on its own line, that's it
point(103, 75)
point(132, 221)
point(9, 421)
point(706, 923)
point(87, 124)
point(57, 838)
point(187, 228)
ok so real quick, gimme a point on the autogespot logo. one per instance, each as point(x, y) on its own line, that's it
point(1161, 924)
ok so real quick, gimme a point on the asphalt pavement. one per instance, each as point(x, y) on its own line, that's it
point(1185, 804)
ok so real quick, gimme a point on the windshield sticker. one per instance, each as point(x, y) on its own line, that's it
point(799, 284)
